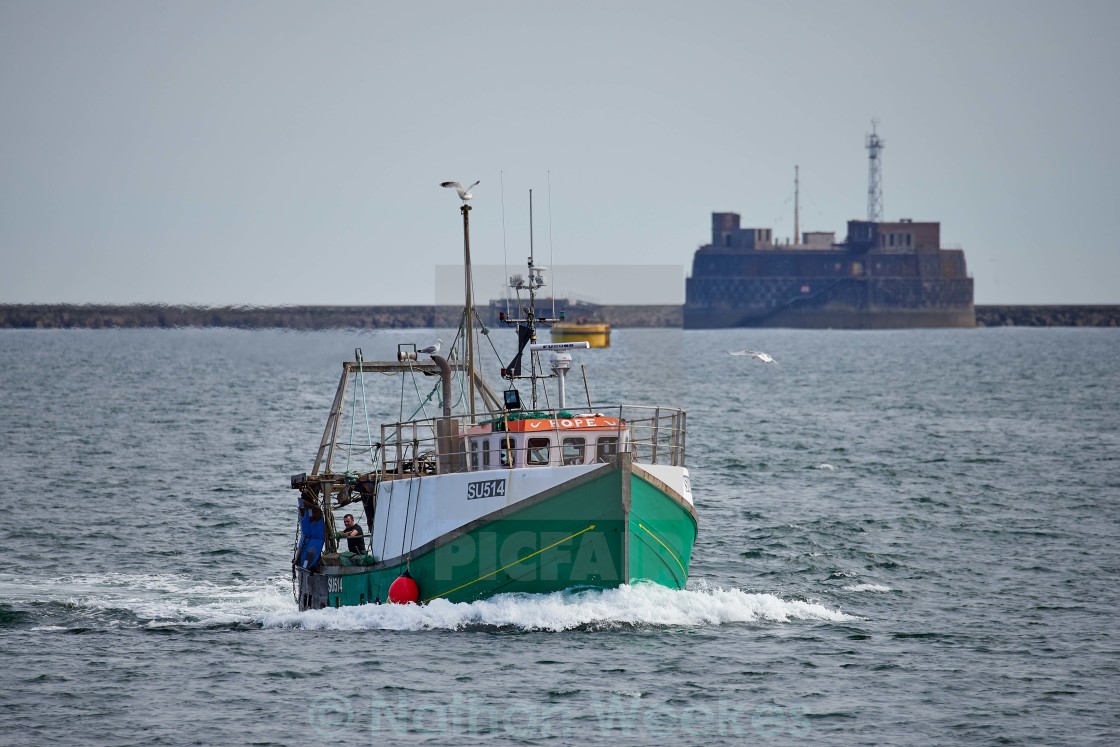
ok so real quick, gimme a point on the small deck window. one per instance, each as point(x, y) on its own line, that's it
point(572, 450)
point(606, 448)
point(537, 452)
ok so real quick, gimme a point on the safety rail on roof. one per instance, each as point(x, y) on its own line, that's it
point(441, 445)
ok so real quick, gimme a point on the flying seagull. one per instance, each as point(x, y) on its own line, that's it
point(764, 357)
point(464, 192)
point(432, 348)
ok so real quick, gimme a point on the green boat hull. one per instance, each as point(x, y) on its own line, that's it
point(613, 526)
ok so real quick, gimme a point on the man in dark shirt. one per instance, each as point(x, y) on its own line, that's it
point(355, 542)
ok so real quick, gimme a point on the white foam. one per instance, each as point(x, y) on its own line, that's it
point(642, 604)
point(827, 466)
point(867, 587)
point(163, 600)
point(170, 600)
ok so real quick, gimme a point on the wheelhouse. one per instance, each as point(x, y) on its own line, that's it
point(539, 442)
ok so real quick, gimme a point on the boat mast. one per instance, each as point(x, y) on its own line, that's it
point(532, 307)
point(532, 285)
point(529, 322)
point(469, 305)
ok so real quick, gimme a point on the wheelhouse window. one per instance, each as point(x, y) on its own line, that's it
point(537, 453)
point(505, 451)
point(474, 454)
point(486, 453)
point(572, 450)
point(606, 448)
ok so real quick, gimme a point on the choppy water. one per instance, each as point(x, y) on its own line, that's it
point(906, 538)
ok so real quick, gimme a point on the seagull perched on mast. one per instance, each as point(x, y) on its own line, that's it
point(432, 348)
point(764, 357)
point(464, 192)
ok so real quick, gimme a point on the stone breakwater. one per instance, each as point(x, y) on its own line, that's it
point(100, 316)
point(97, 316)
point(1048, 316)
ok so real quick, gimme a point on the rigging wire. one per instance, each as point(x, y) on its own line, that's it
point(490, 340)
point(415, 514)
point(384, 534)
point(423, 403)
point(782, 210)
point(423, 400)
point(544, 388)
point(505, 259)
point(353, 417)
point(436, 389)
point(404, 529)
point(365, 411)
point(400, 412)
point(551, 264)
point(461, 374)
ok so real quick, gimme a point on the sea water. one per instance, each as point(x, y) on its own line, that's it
point(906, 537)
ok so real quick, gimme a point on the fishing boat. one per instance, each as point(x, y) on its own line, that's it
point(514, 490)
point(596, 334)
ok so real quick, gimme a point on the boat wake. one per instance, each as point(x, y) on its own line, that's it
point(75, 603)
point(638, 606)
point(120, 601)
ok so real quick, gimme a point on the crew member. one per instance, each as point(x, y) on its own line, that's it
point(355, 541)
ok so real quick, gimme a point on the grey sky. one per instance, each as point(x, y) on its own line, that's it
point(290, 152)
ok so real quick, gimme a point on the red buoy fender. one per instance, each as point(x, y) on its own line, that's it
point(404, 590)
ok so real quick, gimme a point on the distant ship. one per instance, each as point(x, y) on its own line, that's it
point(882, 276)
point(596, 334)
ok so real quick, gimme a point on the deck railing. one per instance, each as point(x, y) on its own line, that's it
point(440, 445)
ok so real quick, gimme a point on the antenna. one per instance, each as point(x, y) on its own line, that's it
point(796, 206)
point(505, 258)
point(874, 144)
point(527, 324)
point(551, 258)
